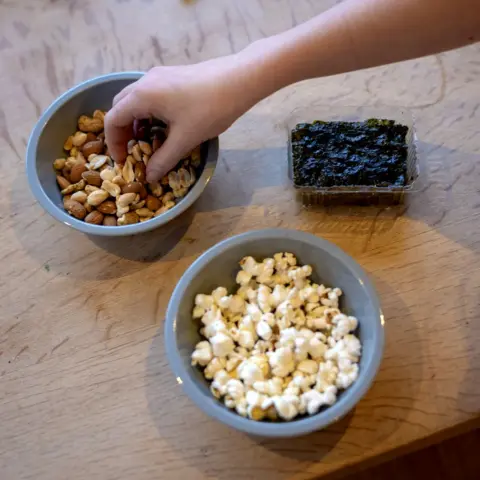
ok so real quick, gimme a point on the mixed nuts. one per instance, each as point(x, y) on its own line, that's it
point(101, 192)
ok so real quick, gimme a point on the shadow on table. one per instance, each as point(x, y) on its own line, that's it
point(219, 451)
point(149, 246)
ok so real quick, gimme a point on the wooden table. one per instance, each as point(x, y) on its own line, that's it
point(85, 389)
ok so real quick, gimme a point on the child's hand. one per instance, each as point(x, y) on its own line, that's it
point(197, 102)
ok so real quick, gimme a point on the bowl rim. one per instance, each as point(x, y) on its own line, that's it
point(232, 419)
point(101, 230)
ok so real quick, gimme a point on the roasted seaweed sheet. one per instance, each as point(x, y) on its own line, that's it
point(328, 154)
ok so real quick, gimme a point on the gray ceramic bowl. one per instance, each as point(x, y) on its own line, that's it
point(218, 266)
point(60, 120)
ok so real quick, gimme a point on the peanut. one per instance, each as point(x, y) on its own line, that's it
point(79, 139)
point(68, 145)
point(145, 147)
point(95, 218)
point(165, 208)
point(113, 189)
point(130, 146)
point(75, 209)
point(99, 114)
point(126, 199)
point(180, 193)
point(168, 197)
point(137, 205)
point(137, 153)
point(127, 171)
point(144, 212)
point(80, 197)
point(59, 164)
point(108, 174)
point(99, 191)
point(119, 180)
point(98, 161)
point(74, 187)
point(87, 124)
point(90, 188)
point(122, 210)
point(128, 219)
point(156, 189)
point(97, 197)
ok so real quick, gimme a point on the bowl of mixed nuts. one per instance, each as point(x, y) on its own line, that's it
point(73, 177)
point(276, 333)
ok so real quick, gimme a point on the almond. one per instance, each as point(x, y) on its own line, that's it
point(92, 178)
point(93, 147)
point(66, 173)
point(63, 183)
point(91, 137)
point(135, 187)
point(109, 221)
point(76, 172)
point(95, 217)
point(153, 203)
point(108, 207)
point(75, 209)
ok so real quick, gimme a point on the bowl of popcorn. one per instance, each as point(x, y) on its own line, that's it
point(73, 177)
point(276, 333)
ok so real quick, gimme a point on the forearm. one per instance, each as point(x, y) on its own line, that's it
point(359, 34)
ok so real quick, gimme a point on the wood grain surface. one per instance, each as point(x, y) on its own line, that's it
point(85, 390)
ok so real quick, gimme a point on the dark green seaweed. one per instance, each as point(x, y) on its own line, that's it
point(370, 153)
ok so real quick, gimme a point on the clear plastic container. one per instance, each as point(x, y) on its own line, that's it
point(356, 194)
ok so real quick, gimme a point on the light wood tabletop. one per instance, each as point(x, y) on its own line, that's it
point(85, 389)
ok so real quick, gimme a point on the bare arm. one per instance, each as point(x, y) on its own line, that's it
point(358, 34)
point(201, 101)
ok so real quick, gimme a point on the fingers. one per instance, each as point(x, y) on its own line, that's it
point(118, 124)
point(122, 94)
point(168, 155)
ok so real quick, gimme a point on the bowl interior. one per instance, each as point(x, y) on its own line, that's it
point(332, 267)
point(60, 121)
point(63, 123)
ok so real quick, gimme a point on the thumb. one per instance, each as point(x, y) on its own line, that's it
point(175, 147)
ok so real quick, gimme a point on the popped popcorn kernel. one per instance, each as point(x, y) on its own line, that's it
point(279, 346)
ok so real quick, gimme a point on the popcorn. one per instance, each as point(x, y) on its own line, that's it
point(202, 354)
point(279, 346)
point(264, 330)
point(222, 344)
